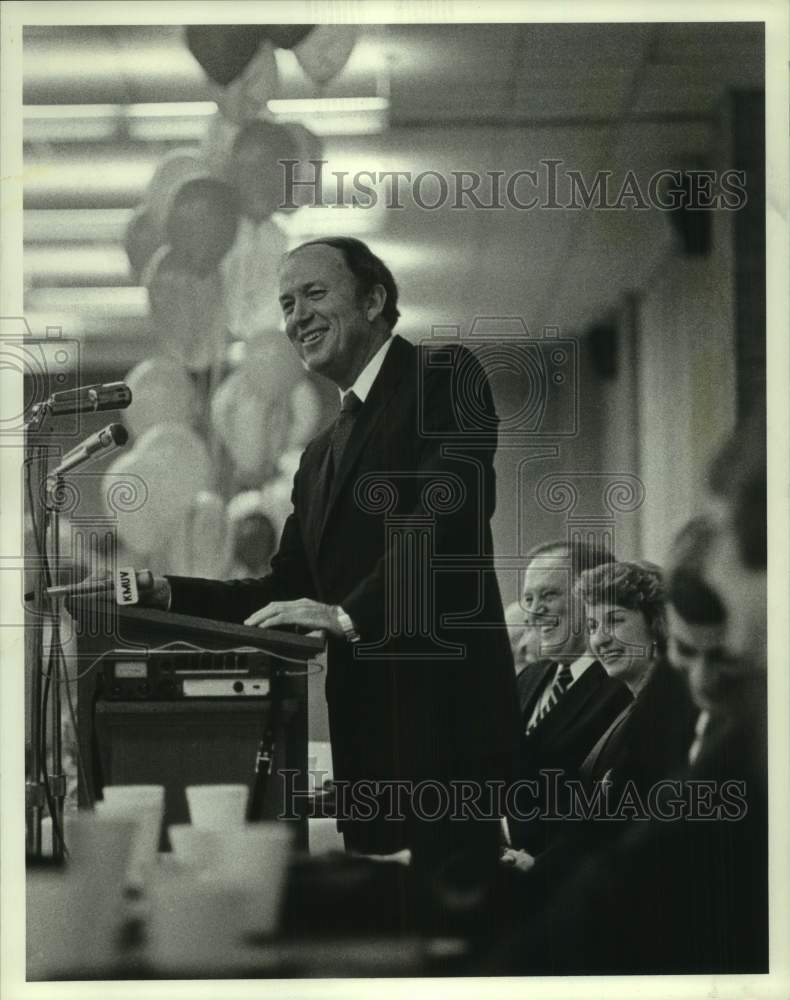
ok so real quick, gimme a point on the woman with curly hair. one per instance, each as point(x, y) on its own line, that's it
point(626, 627)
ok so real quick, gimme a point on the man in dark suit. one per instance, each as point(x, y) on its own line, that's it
point(388, 550)
point(567, 699)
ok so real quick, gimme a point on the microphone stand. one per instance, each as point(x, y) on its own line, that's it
point(34, 788)
point(37, 793)
point(58, 777)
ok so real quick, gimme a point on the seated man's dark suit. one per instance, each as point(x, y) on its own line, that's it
point(429, 692)
point(561, 740)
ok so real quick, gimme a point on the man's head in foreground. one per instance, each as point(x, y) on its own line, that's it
point(339, 302)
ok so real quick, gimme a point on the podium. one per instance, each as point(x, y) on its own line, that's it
point(176, 741)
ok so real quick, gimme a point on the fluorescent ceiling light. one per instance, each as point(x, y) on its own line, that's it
point(326, 105)
point(185, 120)
point(75, 225)
point(131, 301)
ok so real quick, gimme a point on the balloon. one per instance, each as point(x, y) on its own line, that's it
point(173, 170)
point(277, 492)
point(217, 144)
point(305, 414)
point(256, 170)
point(246, 96)
point(326, 50)
point(201, 224)
point(161, 392)
point(202, 545)
point(250, 279)
point(142, 239)
point(187, 312)
point(308, 147)
point(223, 51)
point(169, 464)
point(254, 534)
point(250, 411)
point(285, 36)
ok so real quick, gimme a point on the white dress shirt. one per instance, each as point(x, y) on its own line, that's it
point(367, 376)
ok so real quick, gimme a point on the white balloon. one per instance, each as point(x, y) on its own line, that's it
point(202, 544)
point(217, 144)
point(326, 50)
point(252, 424)
point(305, 414)
point(161, 392)
point(249, 272)
point(187, 312)
point(167, 466)
point(173, 170)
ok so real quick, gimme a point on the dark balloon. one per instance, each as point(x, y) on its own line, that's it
point(285, 36)
point(224, 50)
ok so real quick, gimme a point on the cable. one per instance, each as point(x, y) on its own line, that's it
point(81, 772)
point(57, 830)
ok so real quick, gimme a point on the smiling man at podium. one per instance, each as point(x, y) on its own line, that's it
point(388, 550)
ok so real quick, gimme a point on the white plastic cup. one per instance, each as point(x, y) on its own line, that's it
point(194, 847)
point(194, 925)
point(217, 807)
point(145, 806)
point(255, 863)
point(74, 913)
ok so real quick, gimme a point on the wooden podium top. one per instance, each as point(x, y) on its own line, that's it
point(138, 625)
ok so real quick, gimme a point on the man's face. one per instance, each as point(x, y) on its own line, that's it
point(524, 639)
point(547, 601)
point(324, 319)
point(700, 652)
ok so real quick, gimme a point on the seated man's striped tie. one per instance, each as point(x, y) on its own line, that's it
point(561, 683)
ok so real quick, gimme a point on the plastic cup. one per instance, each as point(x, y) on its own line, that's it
point(144, 805)
point(217, 807)
point(254, 862)
point(74, 913)
point(194, 847)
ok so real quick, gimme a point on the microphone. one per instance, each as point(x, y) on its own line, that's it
point(111, 436)
point(127, 584)
point(88, 399)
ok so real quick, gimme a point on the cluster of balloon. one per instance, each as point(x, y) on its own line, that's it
point(146, 231)
point(251, 410)
point(183, 279)
point(226, 51)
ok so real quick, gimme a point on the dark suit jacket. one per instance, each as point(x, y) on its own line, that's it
point(432, 684)
point(653, 740)
point(562, 740)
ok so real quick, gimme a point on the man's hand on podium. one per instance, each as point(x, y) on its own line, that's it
point(304, 613)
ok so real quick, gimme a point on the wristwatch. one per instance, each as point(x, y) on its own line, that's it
point(350, 633)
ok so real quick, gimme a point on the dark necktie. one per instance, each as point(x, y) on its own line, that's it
point(344, 425)
point(562, 681)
